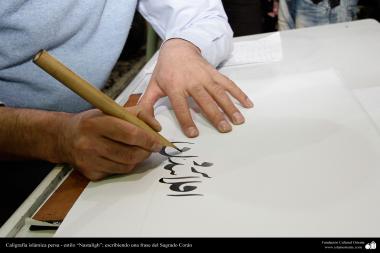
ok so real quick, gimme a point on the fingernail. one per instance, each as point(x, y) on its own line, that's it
point(238, 118)
point(157, 147)
point(224, 126)
point(192, 132)
point(249, 103)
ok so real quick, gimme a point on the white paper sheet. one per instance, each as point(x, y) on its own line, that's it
point(370, 100)
point(305, 163)
point(264, 50)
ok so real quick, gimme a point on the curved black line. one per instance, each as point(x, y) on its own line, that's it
point(203, 174)
point(184, 149)
point(176, 187)
point(204, 164)
point(164, 153)
point(178, 177)
point(170, 167)
point(174, 142)
point(183, 195)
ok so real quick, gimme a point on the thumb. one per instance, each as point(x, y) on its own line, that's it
point(140, 112)
point(147, 102)
point(148, 118)
point(150, 97)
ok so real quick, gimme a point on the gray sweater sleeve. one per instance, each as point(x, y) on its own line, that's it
point(87, 36)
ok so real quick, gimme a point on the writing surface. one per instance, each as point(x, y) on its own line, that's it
point(305, 163)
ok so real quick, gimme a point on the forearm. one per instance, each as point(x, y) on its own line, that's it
point(30, 134)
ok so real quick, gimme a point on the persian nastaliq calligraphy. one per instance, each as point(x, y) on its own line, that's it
point(186, 171)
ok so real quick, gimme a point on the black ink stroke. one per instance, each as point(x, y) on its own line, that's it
point(184, 149)
point(181, 142)
point(182, 186)
point(179, 177)
point(183, 195)
point(170, 166)
point(203, 174)
point(177, 186)
point(204, 164)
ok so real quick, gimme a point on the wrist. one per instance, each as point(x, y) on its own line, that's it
point(177, 43)
point(31, 134)
point(60, 150)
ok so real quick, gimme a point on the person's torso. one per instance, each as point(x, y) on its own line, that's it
point(87, 36)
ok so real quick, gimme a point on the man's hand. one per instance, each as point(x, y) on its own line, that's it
point(182, 72)
point(100, 145)
point(96, 144)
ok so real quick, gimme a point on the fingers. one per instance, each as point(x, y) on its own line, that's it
point(120, 153)
point(233, 89)
point(109, 158)
point(147, 102)
point(145, 115)
point(182, 112)
point(223, 100)
point(124, 132)
point(150, 97)
point(210, 109)
point(99, 145)
point(98, 168)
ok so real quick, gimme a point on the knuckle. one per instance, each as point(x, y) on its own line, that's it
point(166, 77)
point(85, 124)
point(196, 88)
point(214, 114)
point(131, 157)
point(227, 80)
point(95, 176)
point(219, 91)
point(88, 171)
point(133, 133)
point(81, 163)
point(140, 155)
point(129, 168)
point(238, 92)
point(82, 145)
point(123, 169)
point(180, 107)
point(149, 141)
point(219, 116)
point(128, 137)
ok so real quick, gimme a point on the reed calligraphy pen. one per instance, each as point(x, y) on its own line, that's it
point(90, 93)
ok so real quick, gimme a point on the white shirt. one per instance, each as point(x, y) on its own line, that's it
point(202, 22)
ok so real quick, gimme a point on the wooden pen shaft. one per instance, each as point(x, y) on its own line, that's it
point(88, 92)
